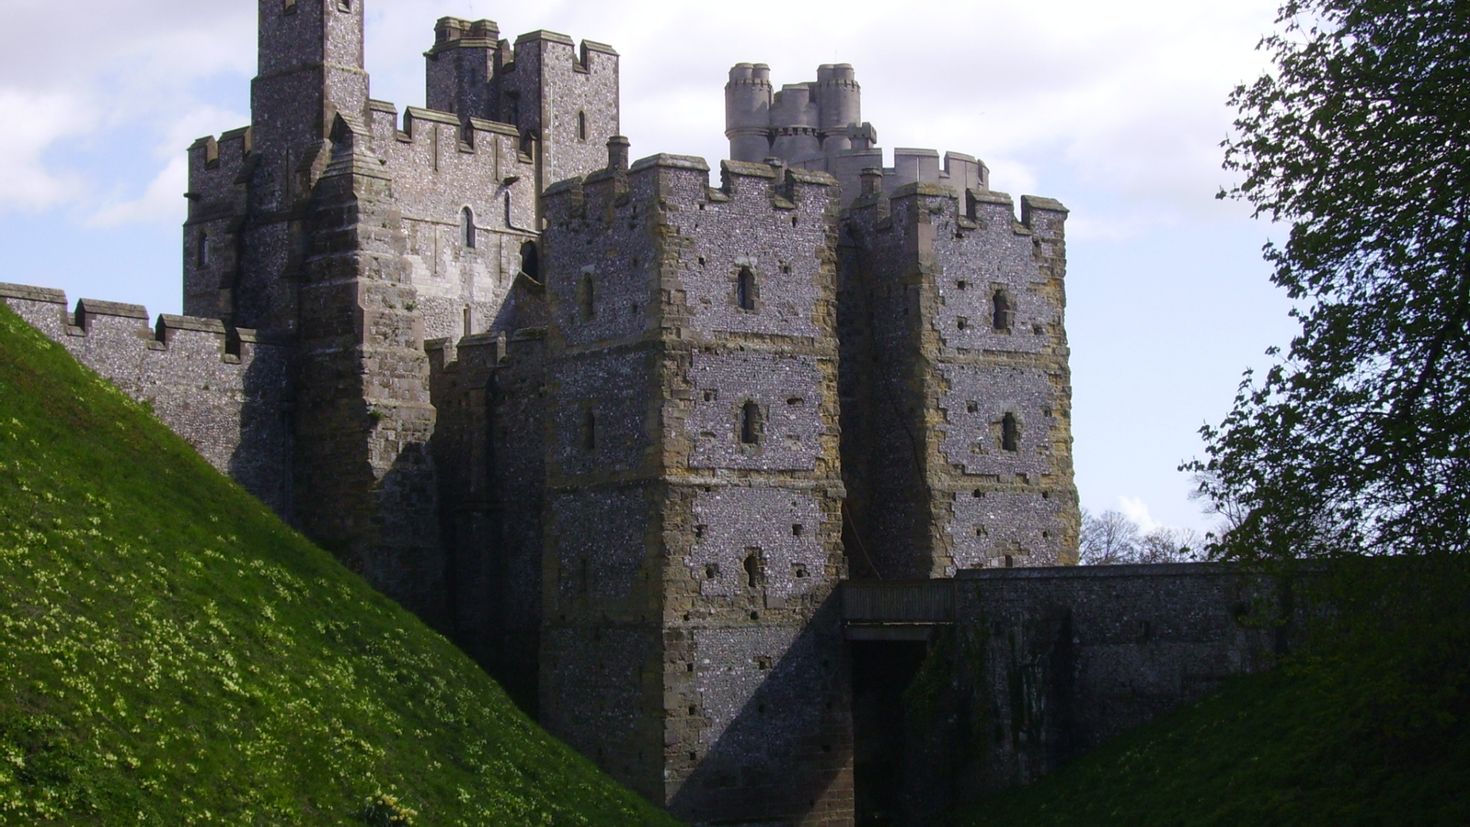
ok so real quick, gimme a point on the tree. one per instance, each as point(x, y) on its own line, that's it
point(1358, 439)
point(1107, 539)
point(1111, 538)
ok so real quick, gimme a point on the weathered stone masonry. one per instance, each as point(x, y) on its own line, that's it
point(621, 434)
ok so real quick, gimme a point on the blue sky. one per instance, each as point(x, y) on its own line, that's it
point(1115, 109)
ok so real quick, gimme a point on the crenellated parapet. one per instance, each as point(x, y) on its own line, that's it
point(818, 125)
point(218, 201)
point(956, 172)
point(438, 159)
point(220, 388)
point(560, 96)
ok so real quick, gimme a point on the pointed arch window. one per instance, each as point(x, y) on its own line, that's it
point(745, 289)
point(582, 126)
point(467, 228)
point(202, 254)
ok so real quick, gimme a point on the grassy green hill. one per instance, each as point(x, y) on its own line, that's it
point(1372, 728)
point(170, 653)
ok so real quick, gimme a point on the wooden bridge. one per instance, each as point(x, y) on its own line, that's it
point(897, 610)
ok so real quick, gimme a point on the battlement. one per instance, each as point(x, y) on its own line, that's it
point(920, 201)
point(483, 351)
point(216, 166)
point(218, 387)
point(583, 54)
point(124, 326)
point(960, 173)
point(454, 33)
point(419, 127)
point(558, 94)
point(751, 74)
point(682, 181)
point(227, 152)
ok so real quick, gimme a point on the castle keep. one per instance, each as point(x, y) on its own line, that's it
point(619, 432)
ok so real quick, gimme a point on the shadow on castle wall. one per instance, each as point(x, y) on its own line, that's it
point(746, 774)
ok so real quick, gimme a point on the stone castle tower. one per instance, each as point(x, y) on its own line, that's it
point(618, 432)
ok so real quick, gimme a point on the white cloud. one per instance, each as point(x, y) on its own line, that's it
point(1136, 510)
point(162, 202)
point(27, 181)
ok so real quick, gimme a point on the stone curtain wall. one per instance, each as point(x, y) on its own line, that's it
point(217, 387)
point(1045, 664)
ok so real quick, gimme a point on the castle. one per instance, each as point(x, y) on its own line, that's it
point(618, 433)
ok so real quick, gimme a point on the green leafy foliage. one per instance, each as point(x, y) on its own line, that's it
point(1358, 440)
point(171, 654)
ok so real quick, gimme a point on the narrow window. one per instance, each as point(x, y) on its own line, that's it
point(467, 227)
point(750, 423)
point(203, 252)
point(1010, 433)
point(589, 430)
point(582, 126)
point(1001, 318)
point(745, 289)
point(344, 5)
point(469, 321)
point(1010, 561)
point(531, 260)
point(587, 298)
point(288, 7)
point(753, 567)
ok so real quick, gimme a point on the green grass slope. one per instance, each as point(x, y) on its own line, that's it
point(1373, 728)
point(170, 653)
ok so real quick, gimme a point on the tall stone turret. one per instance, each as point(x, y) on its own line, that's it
point(748, 112)
point(310, 68)
point(839, 100)
point(460, 68)
point(561, 98)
